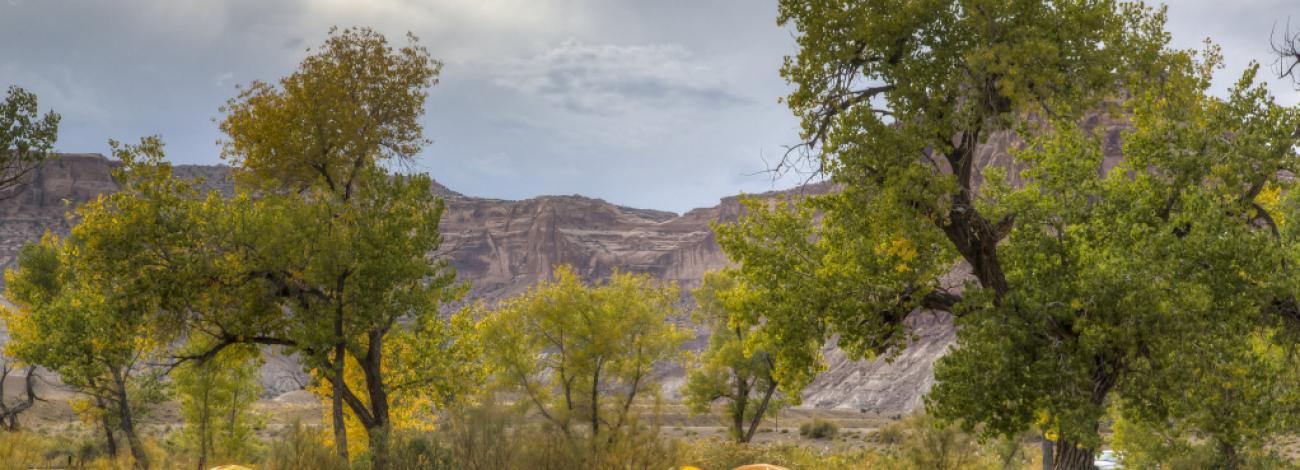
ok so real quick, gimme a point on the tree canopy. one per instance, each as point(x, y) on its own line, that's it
point(1085, 279)
point(577, 354)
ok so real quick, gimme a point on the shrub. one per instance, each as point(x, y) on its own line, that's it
point(481, 438)
point(412, 450)
point(819, 429)
point(722, 454)
point(302, 448)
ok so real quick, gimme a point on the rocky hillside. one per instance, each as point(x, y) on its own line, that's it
point(501, 247)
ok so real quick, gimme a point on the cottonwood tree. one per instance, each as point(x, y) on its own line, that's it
point(582, 357)
point(1083, 281)
point(357, 266)
point(26, 138)
point(88, 321)
point(727, 371)
point(216, 398)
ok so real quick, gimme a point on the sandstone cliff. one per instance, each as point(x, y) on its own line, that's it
point(501, 247)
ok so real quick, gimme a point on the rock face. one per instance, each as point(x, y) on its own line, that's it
point(501, 247)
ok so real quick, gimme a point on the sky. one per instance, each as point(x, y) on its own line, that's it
point(662, 104)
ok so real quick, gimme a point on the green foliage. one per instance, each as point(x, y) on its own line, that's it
point(355, 102)
point(1243, 403)
point(926, 443)
point(88, 319)
point(302, 448)
point(711, 453)
point(216, 398)
point(577, 354)
point(419, 450)
point(726, 370)
point(26, 137)
point(1084, 285)
point(819, 429)
point(359, 238)
point(485, 436)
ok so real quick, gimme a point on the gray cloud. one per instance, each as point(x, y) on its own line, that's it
point(668, 104)
point(608, 79)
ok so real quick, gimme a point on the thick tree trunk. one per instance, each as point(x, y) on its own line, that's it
point(1228, 456)
point(128, 423)
point(738, 410)
point(1072, 457)
point(378, 427)
point(377, 435)
point(1069, 455)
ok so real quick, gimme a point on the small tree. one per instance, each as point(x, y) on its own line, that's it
point(216, 402)
point(72, 325)
point(727, 370)
point(9, 411)
point(582, 355)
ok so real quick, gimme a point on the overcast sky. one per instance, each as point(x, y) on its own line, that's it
point(665, 104)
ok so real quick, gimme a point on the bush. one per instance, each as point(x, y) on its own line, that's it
point(412, 450)
point(481, 438)
point(819, 429)
point(302, 448)
point(716, 453)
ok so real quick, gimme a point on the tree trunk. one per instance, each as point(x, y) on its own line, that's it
point(1072, 457)
point(204, 430)
point(378, 438)
point(738, 410)
point(762, 410)
point(109, 440)
point(378, 428)
point(232, 424)
point(336, 406)
point(10, 414)
point(1228, 456)
point(595, 404)
point(127, 423)
point(1069, 455)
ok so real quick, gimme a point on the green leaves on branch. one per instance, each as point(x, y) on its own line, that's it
point(727, 371)
point(576, 354)
point(1082, 282)
point(26, 137)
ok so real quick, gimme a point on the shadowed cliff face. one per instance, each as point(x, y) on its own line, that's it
point(501, 247)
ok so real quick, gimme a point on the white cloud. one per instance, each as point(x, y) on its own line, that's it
point(607, 79)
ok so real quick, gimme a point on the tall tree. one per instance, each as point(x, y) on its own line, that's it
point(26, 140)
point(317, 141)
point(89, 321)
point(727, 370)
point(1078, 275)
point(583, 355)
